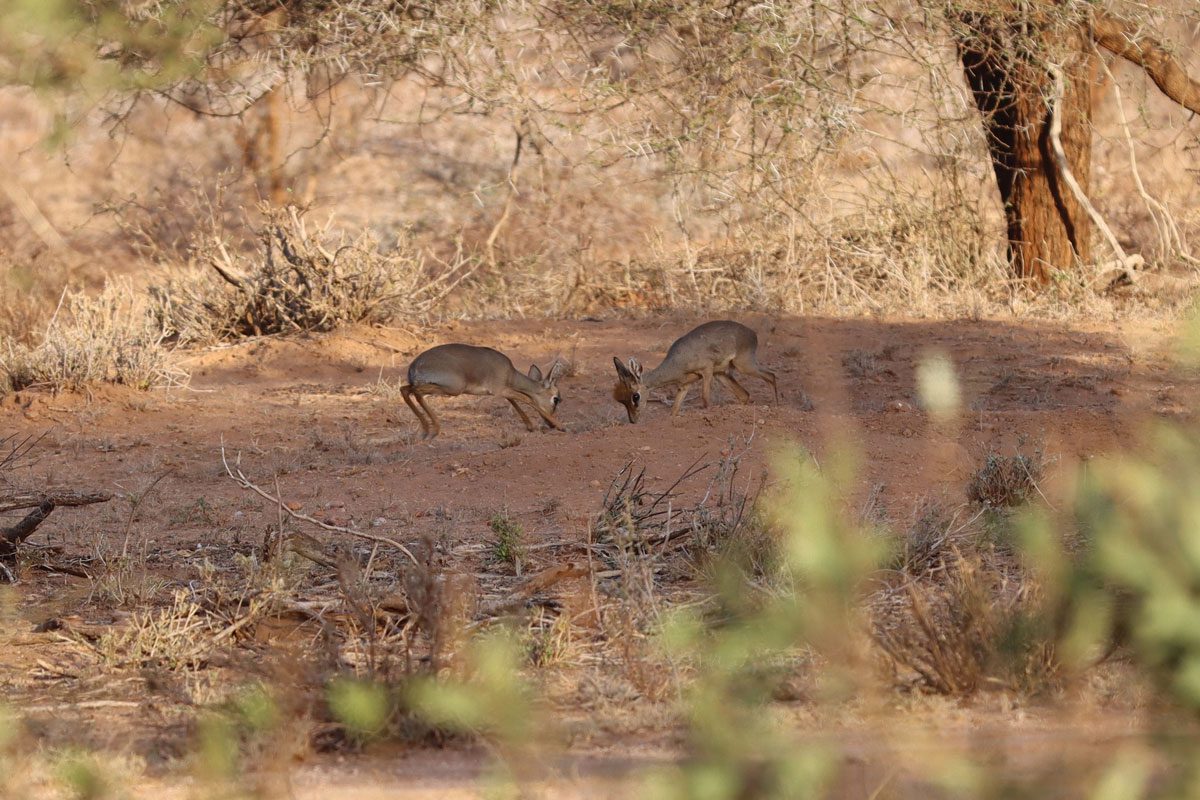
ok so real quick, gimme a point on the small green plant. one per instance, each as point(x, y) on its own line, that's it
point(506, 548)
point(362, 707)
point(83, 778)
point(1132, 574)
point(737, 747)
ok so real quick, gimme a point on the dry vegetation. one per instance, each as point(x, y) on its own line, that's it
point(338, 164)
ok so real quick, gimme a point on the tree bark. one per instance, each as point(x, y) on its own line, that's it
point(1004, 56)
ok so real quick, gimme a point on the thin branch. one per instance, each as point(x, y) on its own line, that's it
point(1126, 262)
point(33, 215)
point(1168, 231)
point(239, 477)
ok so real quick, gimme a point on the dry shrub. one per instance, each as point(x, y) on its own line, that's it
point(906, 252)
point(106, 338)
point(297, 283)
point(928, 544)
point(185, 207)
point(971, 631)
point(29, 291)
point(1006, 481)
point(957, 615)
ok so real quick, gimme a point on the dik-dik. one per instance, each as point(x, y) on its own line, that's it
point(711, 350)
point(454, 369)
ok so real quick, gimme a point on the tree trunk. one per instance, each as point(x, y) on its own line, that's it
point(1004, 57)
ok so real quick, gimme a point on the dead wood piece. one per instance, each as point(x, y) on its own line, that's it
point(534, 584)
point(46, 503)
point(12, 501)
point(11, 537)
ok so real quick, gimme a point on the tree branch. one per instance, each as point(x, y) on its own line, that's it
point(11, 537)
point(46, 503)
point(8, 502)
point(240, 478)
point(1125, 40)
point(1124, 262)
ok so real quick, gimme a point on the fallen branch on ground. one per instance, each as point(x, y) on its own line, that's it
point(239, 477)
point(44, 504)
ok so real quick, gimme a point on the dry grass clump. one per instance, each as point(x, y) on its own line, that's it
point(956, 614)
point(972, 630)
point(298, 283)
point(93, 339)
point(1006, 481)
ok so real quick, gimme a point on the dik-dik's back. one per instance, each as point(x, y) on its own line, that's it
point(465, 369)
point(712, 346)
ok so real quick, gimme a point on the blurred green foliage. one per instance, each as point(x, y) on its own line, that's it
point(98, 46)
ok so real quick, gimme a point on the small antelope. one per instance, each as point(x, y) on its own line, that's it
point(454, 369)
point(708, 351)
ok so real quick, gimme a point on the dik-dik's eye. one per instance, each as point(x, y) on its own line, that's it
point(556, 401)
point(637, 398)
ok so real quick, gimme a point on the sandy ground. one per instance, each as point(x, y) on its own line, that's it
point(309, 411)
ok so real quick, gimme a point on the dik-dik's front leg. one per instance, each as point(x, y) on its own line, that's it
point(521, 413)
point(731, 383)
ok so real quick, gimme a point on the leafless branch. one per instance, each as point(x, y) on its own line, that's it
point(234, 471)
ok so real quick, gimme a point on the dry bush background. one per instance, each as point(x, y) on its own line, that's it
point(103, 338)
point(789, 160)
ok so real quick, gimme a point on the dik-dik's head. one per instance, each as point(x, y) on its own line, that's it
point(629, 390)
point(549, 398)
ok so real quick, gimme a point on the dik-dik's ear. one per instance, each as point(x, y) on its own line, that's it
point(623, 371)
point(535, 373)
point(635, 367)
point(556, 371)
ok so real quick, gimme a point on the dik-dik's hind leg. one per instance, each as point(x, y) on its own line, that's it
point(731, 383)
point(407, 393)
point(750, 367)
point(436, 425)
point(521, 413)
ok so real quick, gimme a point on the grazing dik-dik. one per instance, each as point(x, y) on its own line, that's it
point(454, 369)
point(710, 350)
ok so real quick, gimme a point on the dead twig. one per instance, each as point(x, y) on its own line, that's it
point(239, 477)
